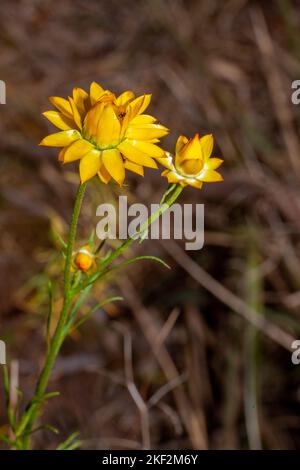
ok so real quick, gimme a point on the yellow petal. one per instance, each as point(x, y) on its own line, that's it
point(210, 176)
point(75, 112)
point(191, 166)
point(171, 176)
point(108, 97)
point(148, 148)
point(181, 141)
point(62, 105)
point(82, 100)
point(61, 139)
point(108, 131)
point(92, 120)
point(147, 132)
point(213, 163)
point(89, 165)
point(77, 150)
point(139, 105)
point(192, 149)
point(113, 163)
point(104, 175)
point(134, 167)
point(196, 184)
point(96, 91)
point(125, 97)
point(141, 120)
point(207, 143)
point(135, 155)
point(61, 154)
point(135, 108)
point(166, 161)
point(59, 120)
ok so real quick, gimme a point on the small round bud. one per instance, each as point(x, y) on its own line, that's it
point(84, 259)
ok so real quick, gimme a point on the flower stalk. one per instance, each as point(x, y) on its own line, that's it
point(24, 429)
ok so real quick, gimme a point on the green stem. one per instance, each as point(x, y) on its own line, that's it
point(169, 189)
point(72, 236)
point(24, 429)
point(152, 218)
point(29, 417)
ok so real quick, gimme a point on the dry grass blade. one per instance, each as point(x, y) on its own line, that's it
point(274, 332)
point(151, 331)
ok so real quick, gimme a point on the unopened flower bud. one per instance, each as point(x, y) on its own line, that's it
point(84, 259)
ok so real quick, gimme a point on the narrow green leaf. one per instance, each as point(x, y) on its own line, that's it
point(92, 240)
point(100, 246)
point(50, 314)
point(6, 383)
point(76, 279)
point(45, 397)
point(85, 317)
point(50, 428)
point(59, 238)
point(9, 410)
point(75, 309)
point(6, 439)
point(71, 443)
point(101, 274)
point(139, 258)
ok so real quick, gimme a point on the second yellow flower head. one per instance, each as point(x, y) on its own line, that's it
point(192, 164)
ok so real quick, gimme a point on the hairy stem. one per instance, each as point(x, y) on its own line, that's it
point(24, 429)
point(26, 423)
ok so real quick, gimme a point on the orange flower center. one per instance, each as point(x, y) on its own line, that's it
point(190, 167)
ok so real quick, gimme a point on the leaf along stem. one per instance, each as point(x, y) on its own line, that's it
point(24, 428)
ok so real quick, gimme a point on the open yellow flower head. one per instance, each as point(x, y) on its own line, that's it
point(192, 164)
point(108, 134)
point(84, 259)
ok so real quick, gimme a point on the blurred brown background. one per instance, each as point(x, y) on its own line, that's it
point(180, 363)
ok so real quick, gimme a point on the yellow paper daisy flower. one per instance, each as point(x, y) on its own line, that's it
point(108, 134)
point(192, 164)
